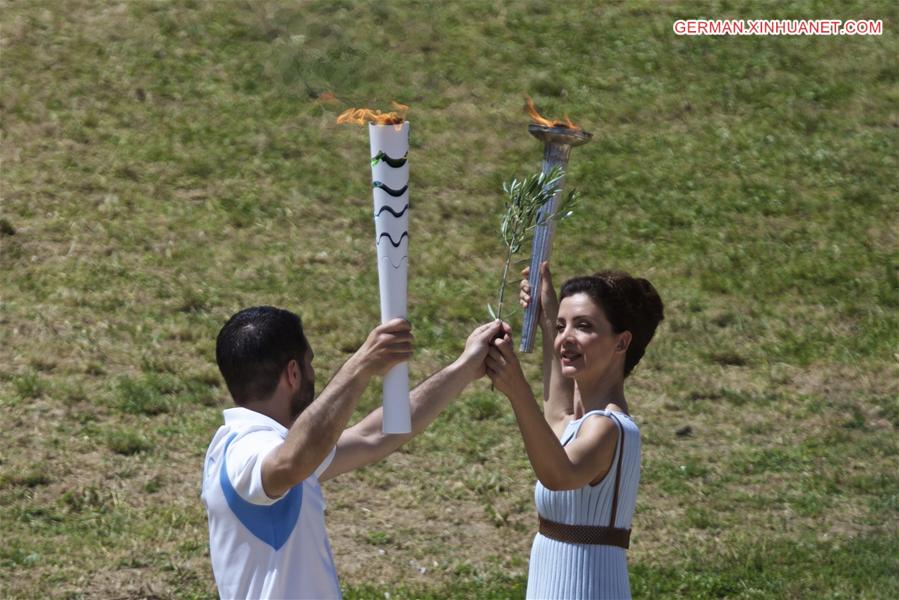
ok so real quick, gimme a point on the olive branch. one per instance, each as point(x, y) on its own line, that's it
point(523, 203)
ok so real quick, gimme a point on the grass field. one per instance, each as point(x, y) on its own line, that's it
point(167, 163)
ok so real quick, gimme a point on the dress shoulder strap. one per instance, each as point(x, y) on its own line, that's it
point(579, 422)
point(614, 512)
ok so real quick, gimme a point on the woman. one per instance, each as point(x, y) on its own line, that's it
point(584, 448)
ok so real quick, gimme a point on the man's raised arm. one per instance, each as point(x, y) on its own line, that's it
point(317, 429)
point(365, 443)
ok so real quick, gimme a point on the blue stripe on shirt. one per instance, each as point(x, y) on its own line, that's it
point(272, 523)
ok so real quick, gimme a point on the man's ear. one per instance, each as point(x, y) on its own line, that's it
point(624, 341)
point(292, 371)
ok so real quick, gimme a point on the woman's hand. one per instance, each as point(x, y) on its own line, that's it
point(549, 301)
point(504, 369)
point(478, 345)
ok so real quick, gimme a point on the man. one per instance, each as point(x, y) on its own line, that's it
point(263, 468)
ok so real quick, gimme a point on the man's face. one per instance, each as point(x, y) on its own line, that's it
point(306, 393)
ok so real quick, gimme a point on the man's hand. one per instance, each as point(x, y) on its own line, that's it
point(549, 301)
point(504, 369)
point(478, 344)
point(386, 346)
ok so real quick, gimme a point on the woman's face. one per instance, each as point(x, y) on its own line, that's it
point(585, 343)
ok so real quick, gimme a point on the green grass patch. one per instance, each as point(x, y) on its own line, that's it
point(156, 393)
point(127, 442)
point(29, 386)
point(33, 477)
point(491, 587)
point(861, 567)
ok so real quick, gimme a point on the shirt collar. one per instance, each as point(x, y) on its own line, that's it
point(240, 414)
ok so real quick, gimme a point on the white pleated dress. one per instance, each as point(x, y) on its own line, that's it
point(565, 570)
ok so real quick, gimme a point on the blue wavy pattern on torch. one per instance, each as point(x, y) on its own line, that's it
point(390, 190)
point(393, 212)
point(396, 163)
point(395, 244)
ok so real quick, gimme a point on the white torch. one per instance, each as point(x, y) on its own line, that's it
point(388, 135)
point(390, 189)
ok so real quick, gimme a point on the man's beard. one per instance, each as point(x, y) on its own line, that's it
point(303, 398)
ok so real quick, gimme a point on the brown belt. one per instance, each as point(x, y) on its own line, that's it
point(594, 534)
point(585, 534)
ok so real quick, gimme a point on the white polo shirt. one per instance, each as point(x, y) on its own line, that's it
point(260, 547)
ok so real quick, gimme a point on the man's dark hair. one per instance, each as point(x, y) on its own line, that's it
point(253, 348)
point(629, 303)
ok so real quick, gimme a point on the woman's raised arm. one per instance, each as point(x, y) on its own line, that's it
point(584, 460)
point(558, 391)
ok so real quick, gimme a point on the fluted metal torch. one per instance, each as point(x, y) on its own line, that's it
point(558, 141)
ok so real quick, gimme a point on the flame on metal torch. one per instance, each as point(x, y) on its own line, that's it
point(539, 119)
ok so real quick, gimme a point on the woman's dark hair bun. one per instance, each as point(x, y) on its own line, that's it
point(652, 307)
